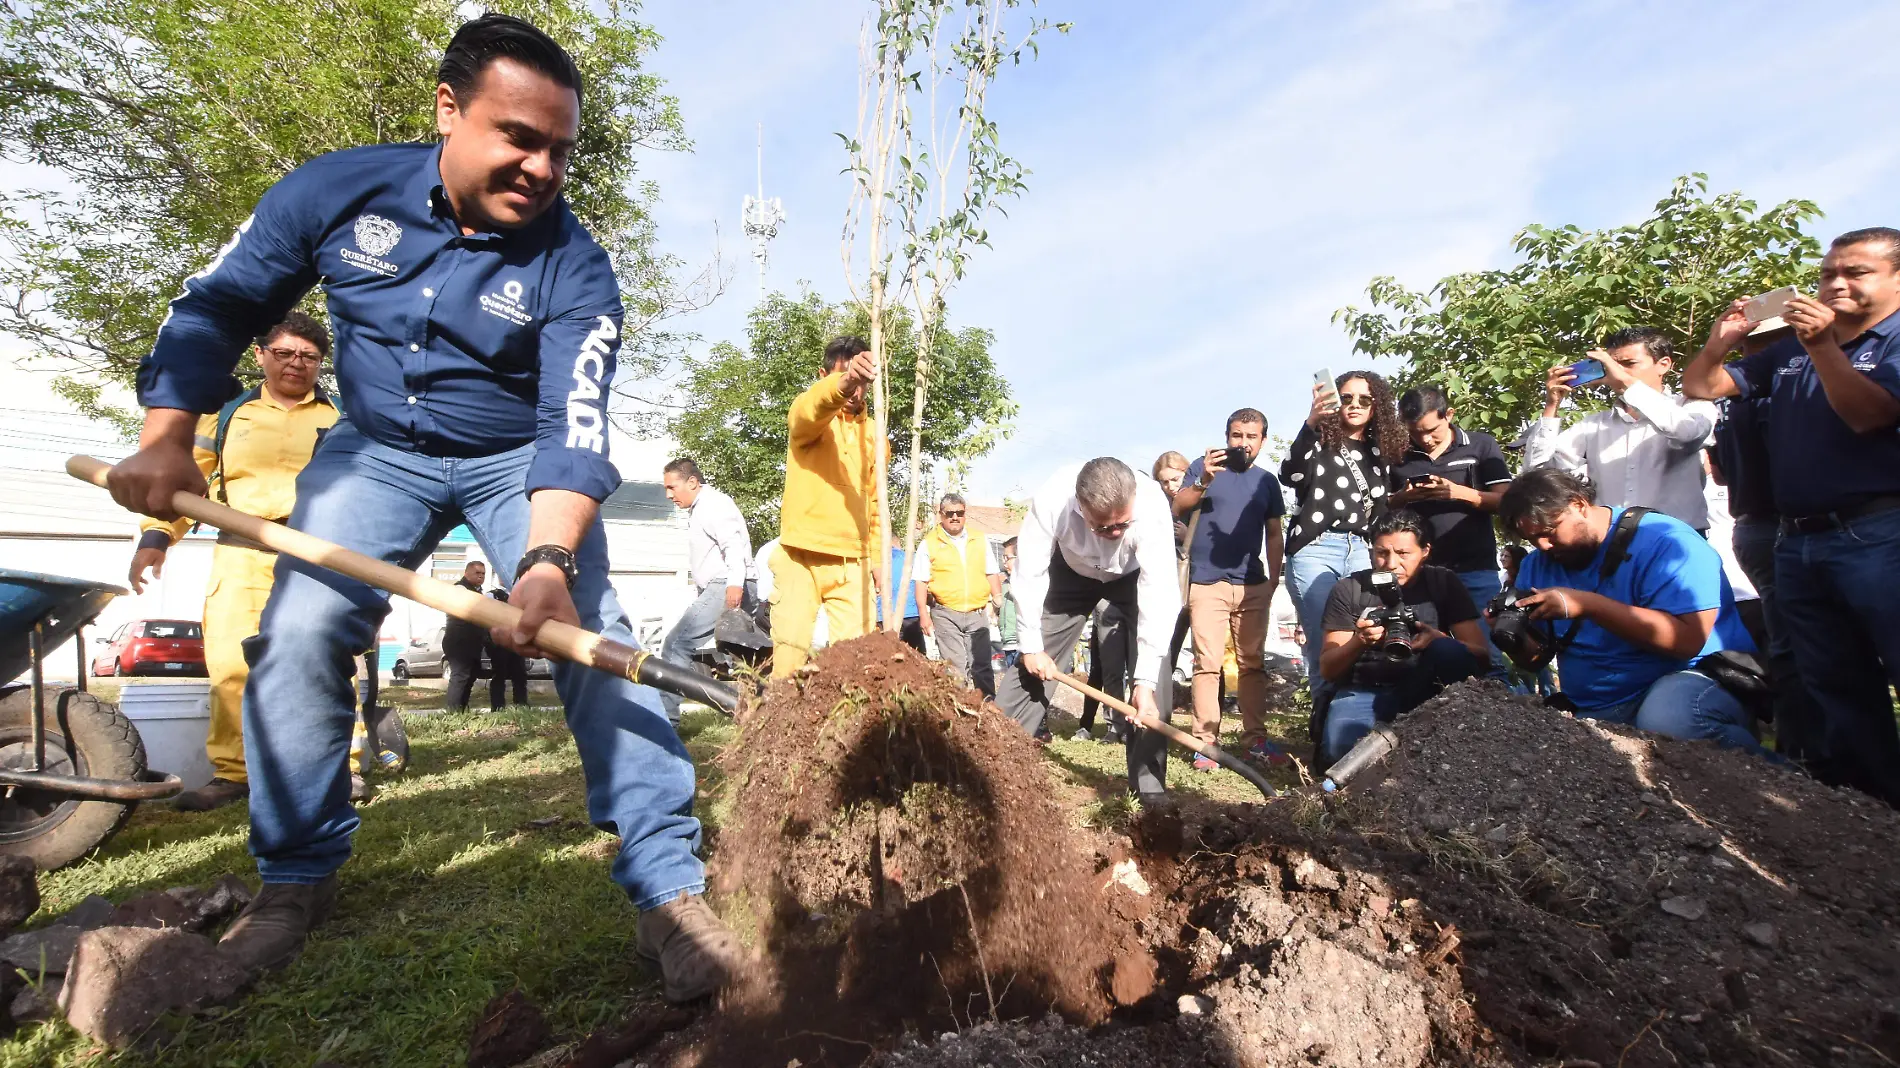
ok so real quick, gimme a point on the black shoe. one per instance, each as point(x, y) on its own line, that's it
point(270, 932)
point(215, 794)
point(359, 790)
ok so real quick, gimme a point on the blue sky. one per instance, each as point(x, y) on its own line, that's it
point(1211, 180)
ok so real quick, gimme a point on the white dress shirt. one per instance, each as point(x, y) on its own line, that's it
point(921, 572)
point(1055, 524)
point(718, 548)
point(1646, 451)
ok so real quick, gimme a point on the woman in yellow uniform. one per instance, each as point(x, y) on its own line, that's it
point(250, 452)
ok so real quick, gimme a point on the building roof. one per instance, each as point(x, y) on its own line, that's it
point(992, 521)
point(640, 501)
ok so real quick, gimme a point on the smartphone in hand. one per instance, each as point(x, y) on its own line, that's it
point(1586, 371)
point(1769, 304)
point(1323, 378)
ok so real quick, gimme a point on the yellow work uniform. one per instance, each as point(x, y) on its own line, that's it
point(959, 578)
point(827, 525)
point(265, 446)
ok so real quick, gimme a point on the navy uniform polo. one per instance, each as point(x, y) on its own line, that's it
point(447, 344)
point(1741, 454)
point(1817, 464)
point(1462, 536)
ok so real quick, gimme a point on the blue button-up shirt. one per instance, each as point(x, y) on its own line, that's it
point(1817, 462)
point(446, 344)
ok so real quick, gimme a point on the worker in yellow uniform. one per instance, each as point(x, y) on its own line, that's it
point(958, 581)
point(827, 523)
point(250, 451)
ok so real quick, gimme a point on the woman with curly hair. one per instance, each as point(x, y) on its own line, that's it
point(1339, 470)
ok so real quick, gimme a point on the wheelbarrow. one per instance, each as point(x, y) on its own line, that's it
point(72, 767)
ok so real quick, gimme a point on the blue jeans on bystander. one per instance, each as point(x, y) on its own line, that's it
point(1311, 575)
point(692, 629)
point(1685, 704)
point(1354, 710)
point(299, 706)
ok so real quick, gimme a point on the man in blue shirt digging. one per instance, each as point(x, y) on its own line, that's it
point(477, 328)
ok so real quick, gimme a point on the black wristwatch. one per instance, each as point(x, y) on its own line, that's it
point(549, 554)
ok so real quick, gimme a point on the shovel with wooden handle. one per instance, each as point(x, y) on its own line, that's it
point(1141, 719)
point(560, 639)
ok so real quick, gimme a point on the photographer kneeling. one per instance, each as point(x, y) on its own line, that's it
point(1385, 645)
point(1654, 621)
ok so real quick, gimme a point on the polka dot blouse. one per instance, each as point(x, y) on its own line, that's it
point(1329, 496)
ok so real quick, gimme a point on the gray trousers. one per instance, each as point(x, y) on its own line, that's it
point(963, 642)
point(1065, 610)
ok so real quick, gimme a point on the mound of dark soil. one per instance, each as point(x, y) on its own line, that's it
point(906, 866)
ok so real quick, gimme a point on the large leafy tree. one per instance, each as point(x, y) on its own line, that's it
point(169, 118)
point(733, 423)
point(1490, 336)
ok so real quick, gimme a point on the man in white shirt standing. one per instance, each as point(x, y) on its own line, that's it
point(1095, 533)
point(958, 581)
point(1647, 449)
point(719, 562)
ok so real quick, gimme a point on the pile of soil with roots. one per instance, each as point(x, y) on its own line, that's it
point(1510, 887)
point(899, 854)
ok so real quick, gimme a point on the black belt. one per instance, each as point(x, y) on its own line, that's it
point(1821, 522)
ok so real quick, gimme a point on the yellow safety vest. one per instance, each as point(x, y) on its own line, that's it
point(959, 580)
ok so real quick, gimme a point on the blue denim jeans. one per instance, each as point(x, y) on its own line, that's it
point(1354, 709)
point(1685, 704)
point(692, 629)
point(1311, 575)
point(1834, 590)
point(298, 713)
point(1484, 585)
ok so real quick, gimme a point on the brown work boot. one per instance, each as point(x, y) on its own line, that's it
point(270, 932)
point(215, 794)
point(696, 952)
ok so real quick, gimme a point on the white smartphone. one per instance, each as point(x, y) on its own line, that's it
point(1323, 378)
point(1769, 304)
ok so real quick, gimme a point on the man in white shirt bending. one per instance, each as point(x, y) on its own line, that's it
point(1647, 449)
point(719, 563)
point(1096, 533)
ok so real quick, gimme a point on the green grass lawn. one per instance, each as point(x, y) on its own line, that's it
point(452, 898)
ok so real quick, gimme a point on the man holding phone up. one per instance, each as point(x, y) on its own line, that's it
point(1647, 449)
point(1234, 560)
point(1453, 478)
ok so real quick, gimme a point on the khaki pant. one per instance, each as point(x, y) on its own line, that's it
point(1219, 612)
point(240, 586)
point(802, 584)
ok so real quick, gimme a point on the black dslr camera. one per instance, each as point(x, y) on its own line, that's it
point(1397, 617)
point(1530, 644)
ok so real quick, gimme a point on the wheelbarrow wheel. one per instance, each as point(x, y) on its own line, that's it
point(91, 739)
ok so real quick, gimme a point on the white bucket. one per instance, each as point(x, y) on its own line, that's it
point(173, 718)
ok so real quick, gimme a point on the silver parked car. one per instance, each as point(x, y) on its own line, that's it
point(422, 659)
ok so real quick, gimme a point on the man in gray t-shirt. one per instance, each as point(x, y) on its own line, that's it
point(1233, 569)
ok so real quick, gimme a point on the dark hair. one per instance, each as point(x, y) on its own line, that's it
point(1516, 552)
point(684, 467)
point(1384, 431)
point(1541, 496)
point(299, 325)
point(484, 40)
point(841, 349)
point(1886, 235)
point(1421, 401)
point(1653, 341)
point(1009, 542)
point(1402, 521)
point(1248, 415)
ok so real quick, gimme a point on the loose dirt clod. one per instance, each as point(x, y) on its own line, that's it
point(124, 978)
point(510, 1029)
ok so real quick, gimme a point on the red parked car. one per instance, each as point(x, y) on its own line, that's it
point(154, 647)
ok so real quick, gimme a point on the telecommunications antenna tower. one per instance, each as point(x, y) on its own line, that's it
point(761, 218)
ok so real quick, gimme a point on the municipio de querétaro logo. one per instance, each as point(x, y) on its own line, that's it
point(375, 237)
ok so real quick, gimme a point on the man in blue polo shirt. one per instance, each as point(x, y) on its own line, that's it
point(477, 329)
point(1833, 394)
point(1632, 640)
point(1233, 567)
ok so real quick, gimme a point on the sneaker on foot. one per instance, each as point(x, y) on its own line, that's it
point(694, 950)
point(1082, 735)
point(215, 794)
point(270, 932)
point(1267, 752)
point(1202, 763)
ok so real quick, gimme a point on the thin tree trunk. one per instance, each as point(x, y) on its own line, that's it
point(881, 459)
